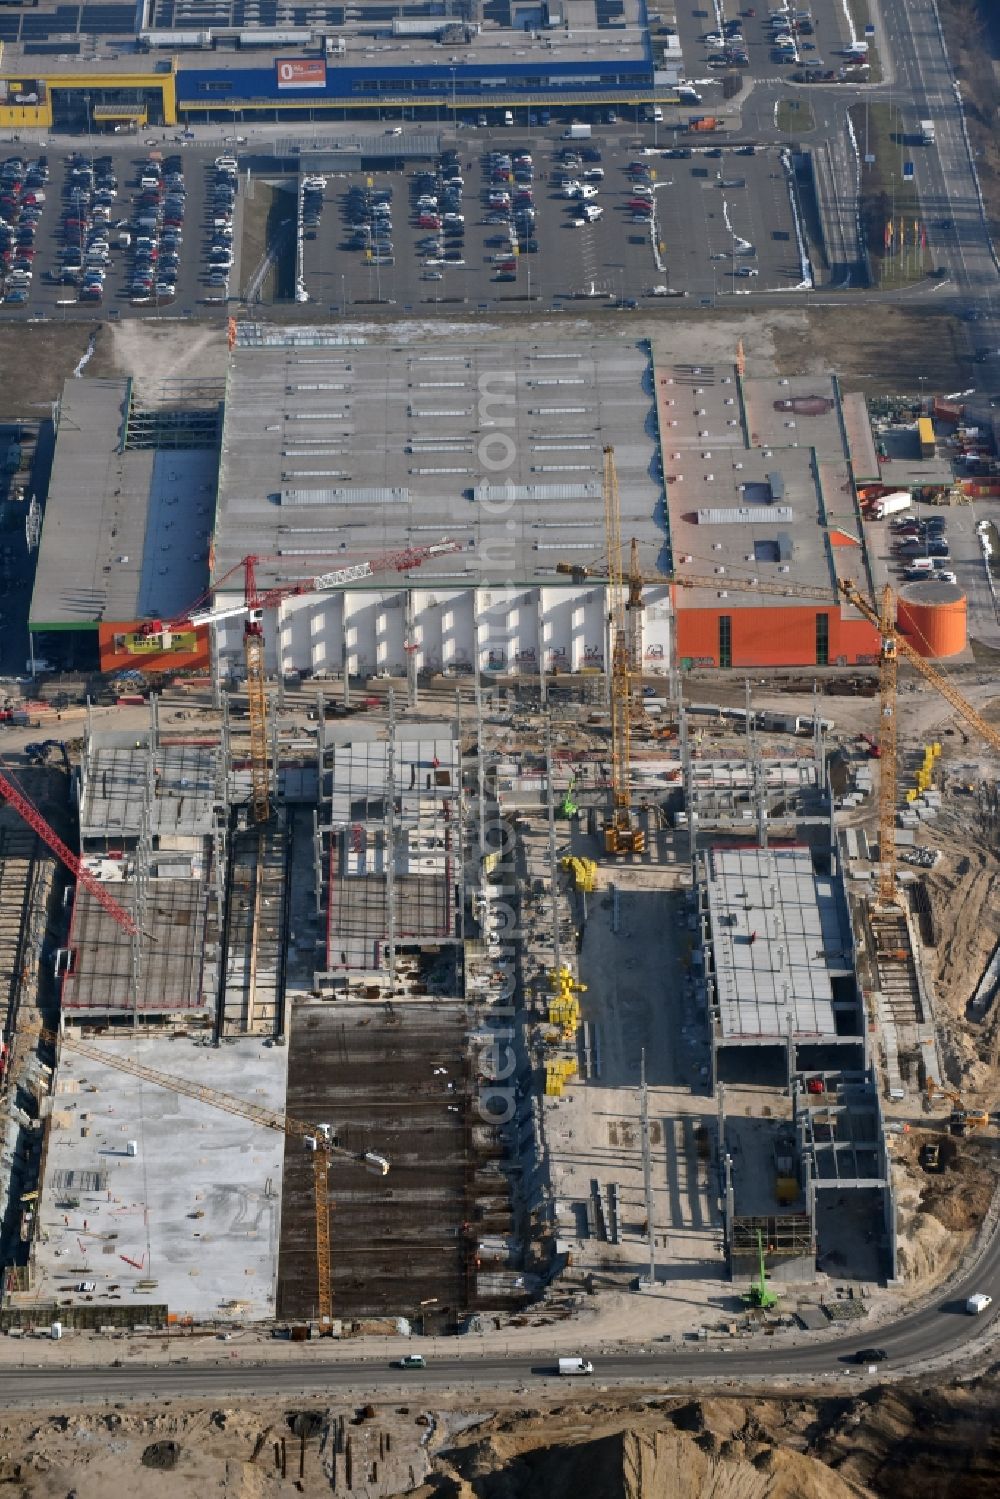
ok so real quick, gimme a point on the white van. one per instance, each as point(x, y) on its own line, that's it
point(656, 114)
point(508, 117)
point(572, 1366)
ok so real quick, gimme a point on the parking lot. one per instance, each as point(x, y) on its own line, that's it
point(954, 529)
point(104, 241)
point(817, 36)
point(721, 225)
point(541, 222)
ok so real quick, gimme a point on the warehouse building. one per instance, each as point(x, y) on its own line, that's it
point(341, 453)
point(126, 529)
point(174, 60)
point(761, 499)
point(777, 963)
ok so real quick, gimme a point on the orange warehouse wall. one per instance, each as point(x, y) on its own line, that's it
point(773, 637)
point(116, 654)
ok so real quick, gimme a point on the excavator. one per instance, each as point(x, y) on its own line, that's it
point(964, 1121)
point(759, 1296)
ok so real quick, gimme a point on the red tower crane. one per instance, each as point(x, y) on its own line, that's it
point(26, 808)
point(255, 601)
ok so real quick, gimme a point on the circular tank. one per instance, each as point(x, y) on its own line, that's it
point(932, 616)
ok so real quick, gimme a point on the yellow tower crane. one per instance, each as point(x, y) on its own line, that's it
point(892, 646)
point(256, 600)
point(315, 1137)
point(621, 835)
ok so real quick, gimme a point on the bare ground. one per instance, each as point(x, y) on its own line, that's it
point(35, 359)
point(164, 358)
point(940, 1443)
point(888, 351)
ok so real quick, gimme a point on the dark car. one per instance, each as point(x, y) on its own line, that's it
point(870, 1356)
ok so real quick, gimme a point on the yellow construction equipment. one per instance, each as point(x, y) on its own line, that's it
point(892, 646)
point(621, 835)
point(932, 1088)
point(557, 1074)
point(964, 1120)
point(583, 872)
point(260, 766)
point(315, 1137)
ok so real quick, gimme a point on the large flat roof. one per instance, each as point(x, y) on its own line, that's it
point(126, 532)
point(776, 936)
point(349, 450)
point(239, 35)
point(756, 489)
point(202, 1240)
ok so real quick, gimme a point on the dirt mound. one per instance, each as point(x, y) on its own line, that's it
point(697, 1453)
point(959, 1205)
point(930, 1444)
point(942, 1442)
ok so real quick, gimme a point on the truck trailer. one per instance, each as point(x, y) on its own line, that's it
point(891, 504)
point(578, 133)
point(927, 133)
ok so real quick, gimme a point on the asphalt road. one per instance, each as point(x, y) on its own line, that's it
point(936, 1332)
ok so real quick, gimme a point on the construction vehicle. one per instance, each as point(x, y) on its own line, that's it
point(255, 601)
point(569, 807)
point(759, 1295)
point(892, 646)
point(621, 835)
point(930, 1156)
point(38, 752)
point(963, 1121)
point(316, 1138)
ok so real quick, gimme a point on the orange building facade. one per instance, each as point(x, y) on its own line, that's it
point(791, 635)
point(123, 647)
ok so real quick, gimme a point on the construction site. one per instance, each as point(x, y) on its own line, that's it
point(355, 985)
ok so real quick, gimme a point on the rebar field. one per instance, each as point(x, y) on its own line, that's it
point(395, 1081)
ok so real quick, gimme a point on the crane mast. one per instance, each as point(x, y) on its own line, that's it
point(253, 656)
point(888, 664)
point(620, 834)
point(316, 1136)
